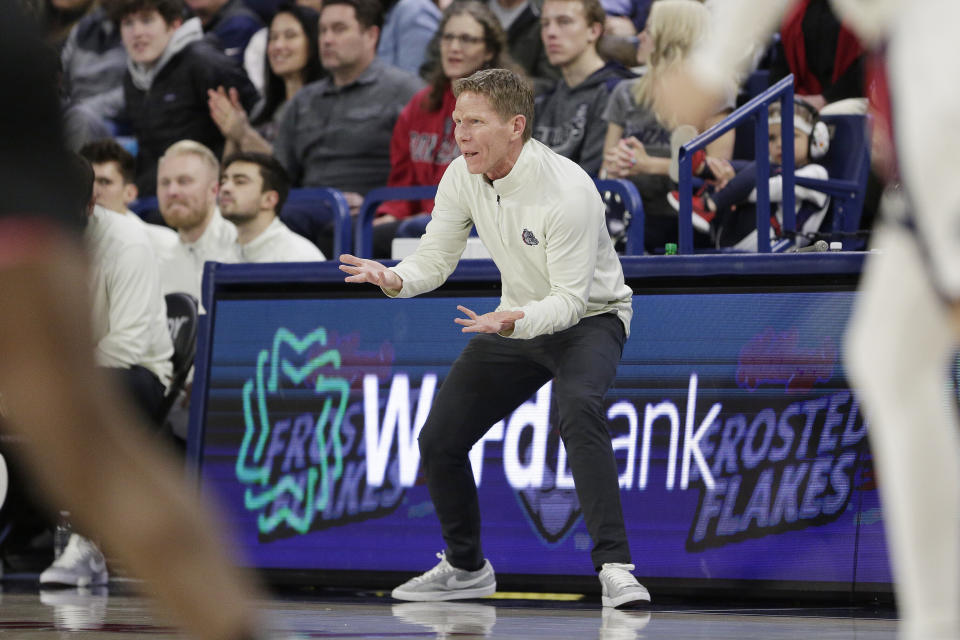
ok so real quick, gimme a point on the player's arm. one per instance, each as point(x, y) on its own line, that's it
point(715, 67)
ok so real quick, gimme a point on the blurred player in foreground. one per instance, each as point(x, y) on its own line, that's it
point(903, 337)
point(81, 438)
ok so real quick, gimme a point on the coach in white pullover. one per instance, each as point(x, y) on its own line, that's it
point(564, 315)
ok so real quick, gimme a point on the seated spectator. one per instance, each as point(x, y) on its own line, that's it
point(58, 17)
point(255, 56)
point(228, 24)
point(408, 28)
point(824, 56)
point(94, 63)
point(626, 16)
point(521, 21)
point(187, 183)
point(132, 341)
point(730, 212)
point(80, 124)
point(292, 61)
point(253, 187)
point(423, 143)
point(637, 144)
point(336, 132)
point(114, 189)
point(569, 118)
point(169, 71)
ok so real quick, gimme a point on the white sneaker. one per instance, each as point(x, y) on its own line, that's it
point(80, 565)
point(448, 618)
point(446, 582)
point(619, 585)
point(616, 624)
point(82, 609)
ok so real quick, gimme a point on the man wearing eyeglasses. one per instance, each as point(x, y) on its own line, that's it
point(569, 118)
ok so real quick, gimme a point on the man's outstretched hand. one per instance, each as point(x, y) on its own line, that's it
point(363, 270)
point(493, 322)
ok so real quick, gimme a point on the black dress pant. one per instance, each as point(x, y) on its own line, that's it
point(492, 377)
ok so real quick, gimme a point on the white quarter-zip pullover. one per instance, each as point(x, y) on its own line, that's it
point(545, 228)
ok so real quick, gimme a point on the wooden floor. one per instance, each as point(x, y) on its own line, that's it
point(117, 613)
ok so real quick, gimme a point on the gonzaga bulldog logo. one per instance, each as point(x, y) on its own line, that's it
point(284, 491)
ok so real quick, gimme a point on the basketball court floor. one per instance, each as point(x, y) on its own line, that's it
point(117, 613)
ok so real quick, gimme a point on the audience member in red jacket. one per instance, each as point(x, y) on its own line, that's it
point(471, 38)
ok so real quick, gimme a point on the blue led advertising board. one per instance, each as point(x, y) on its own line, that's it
point(742, 453)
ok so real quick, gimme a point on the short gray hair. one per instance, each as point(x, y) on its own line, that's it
point(509, 93)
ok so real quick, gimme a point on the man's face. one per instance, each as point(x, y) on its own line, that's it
point(343, 42)
point(565, 32)
point(145, 35)
point(109, 189)
point(483, 137)
point(241, 192)
point(186, 191)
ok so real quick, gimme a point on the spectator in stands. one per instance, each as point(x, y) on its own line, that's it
point(824, 56)
point(423, 143)
point(187, 183)
point(80, 124)
point(255, 57)
point(521, 21)
point(408, 28)
point(292, 61)
point(114, 189)
point(729, 214)
point(228, 24)
point(58, 17)
point(336, 132)
point(626, 16)
point(253, 187)
point(132, 342)
point(637, 144)
point(169, 71)
point(569, 117)
point(94, 63)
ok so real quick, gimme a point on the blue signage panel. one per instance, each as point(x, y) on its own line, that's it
point(742, 453)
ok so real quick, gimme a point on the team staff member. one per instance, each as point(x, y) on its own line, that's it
point(564, 314)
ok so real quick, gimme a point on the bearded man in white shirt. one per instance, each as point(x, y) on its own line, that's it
point(564, 315)
point(187, 182)
point(253, 188)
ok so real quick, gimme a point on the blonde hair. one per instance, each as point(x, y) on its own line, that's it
point(193, 148)
point(674, 26)
point(509, 93)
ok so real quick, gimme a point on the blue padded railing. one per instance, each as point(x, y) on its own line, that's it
point(337, 203)
point(363, 243)
point(633, 206)
point(757, 110)
point(144, 205)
